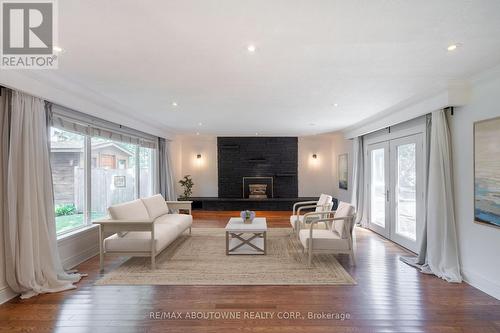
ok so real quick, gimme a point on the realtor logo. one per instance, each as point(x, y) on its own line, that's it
point(28, 33)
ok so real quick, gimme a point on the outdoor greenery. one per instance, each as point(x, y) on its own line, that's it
point(187, 185)
point(68, 222)
point(65, 209)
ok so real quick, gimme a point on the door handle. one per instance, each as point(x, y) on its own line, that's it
point(387, 195)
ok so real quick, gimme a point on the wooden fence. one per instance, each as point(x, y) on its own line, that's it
point(110, 187)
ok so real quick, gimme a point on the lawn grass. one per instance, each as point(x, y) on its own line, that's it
point(68, 222)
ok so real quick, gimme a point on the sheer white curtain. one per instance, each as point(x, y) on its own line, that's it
point(439, 249)
point(358, 197)
point(166, 179)
point(33, 265)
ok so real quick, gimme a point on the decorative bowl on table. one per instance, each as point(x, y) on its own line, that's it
point(247, 216)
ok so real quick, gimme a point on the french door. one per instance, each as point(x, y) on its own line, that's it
point(396, 189)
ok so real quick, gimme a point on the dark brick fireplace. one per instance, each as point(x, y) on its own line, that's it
point(269, 160)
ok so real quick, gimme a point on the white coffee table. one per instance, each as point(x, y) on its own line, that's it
point(244, 238)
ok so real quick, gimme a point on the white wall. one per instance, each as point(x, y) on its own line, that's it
point(341, 146)
point(315, 175)
point(176, 155)
point(203, 170)
point(479, 245)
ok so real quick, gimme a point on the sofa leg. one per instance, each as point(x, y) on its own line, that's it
point(153, 248)
point(101, 249)
point(153, 262)
point(189, 230)
point(353, 259)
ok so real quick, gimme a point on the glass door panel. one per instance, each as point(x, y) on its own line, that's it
point(407, 174)
point(406, 191)
point(395, 189)
point(378, 155)
point(377, 195)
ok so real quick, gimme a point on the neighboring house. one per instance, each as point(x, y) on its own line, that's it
point(109, 155)
point(68, 155)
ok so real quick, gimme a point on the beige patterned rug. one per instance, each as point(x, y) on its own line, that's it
point(200, 259)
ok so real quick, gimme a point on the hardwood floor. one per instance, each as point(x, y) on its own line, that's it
point(389, 297)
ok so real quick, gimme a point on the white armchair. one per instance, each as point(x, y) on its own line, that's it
point(322, 207)
point(336, 239)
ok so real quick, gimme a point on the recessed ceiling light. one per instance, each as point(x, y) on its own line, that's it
point(57, 49)
point(251, 48)
point(256, 133)
point(200, 123)
point(453, 47)
point(174, 104)
point(336, 105)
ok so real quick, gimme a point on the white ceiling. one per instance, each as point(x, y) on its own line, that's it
point(367, 56)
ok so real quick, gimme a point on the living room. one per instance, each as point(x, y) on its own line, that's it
point(201, 166)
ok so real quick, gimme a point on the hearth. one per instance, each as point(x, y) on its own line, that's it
point(258, 187)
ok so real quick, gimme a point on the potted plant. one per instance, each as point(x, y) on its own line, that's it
point(187, 185)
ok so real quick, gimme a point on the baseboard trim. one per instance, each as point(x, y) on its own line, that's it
point(480, 282)
point(77, 259)
point(6, 294)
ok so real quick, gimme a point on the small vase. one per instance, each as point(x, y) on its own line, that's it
point(247, 216)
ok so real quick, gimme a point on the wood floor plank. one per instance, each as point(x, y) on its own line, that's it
point(389, 297)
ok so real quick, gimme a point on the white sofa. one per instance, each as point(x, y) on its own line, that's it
point(143, 227)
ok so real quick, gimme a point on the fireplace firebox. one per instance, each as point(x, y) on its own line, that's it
point(258, 187)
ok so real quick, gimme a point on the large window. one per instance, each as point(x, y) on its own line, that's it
point(147, 172)
point(68, 163)
point(113, 176)
point(91, 173)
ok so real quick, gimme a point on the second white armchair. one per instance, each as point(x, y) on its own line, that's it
point(322, 207)
point(337, 239)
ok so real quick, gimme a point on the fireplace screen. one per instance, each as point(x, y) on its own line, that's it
point(257, 187)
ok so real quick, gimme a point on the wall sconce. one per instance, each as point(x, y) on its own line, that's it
point(315, 156)
point(198, 161)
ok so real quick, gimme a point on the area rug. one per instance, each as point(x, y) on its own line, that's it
point(200, 259)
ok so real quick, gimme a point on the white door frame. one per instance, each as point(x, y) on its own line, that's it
point(384, 231)
point(418, 140)
point(404, 130)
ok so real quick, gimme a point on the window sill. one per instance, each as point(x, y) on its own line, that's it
point(76, 233)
